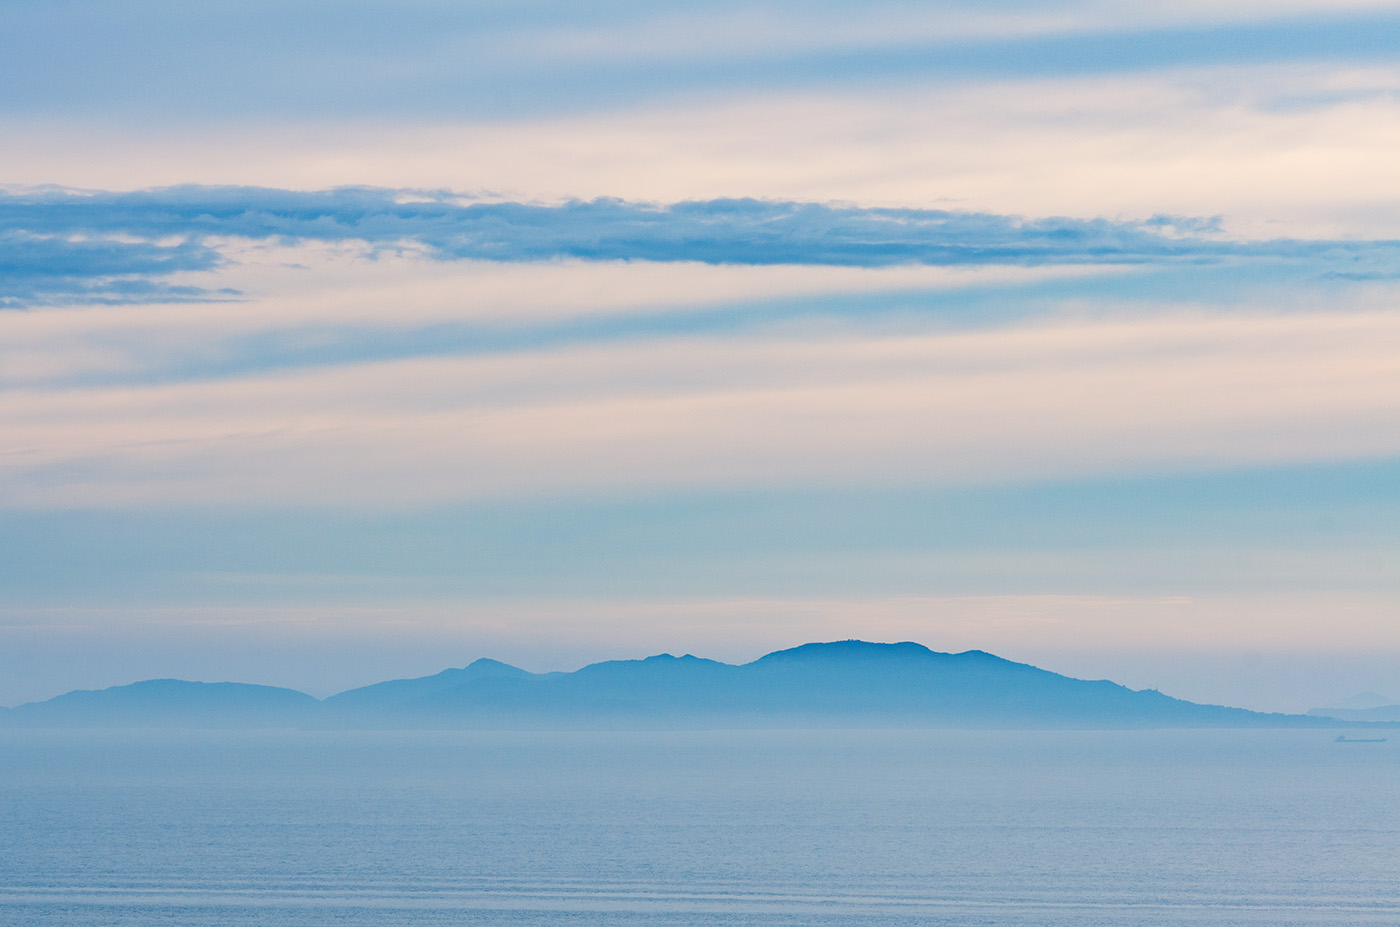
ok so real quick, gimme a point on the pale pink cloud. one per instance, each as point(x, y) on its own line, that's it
point(1042, 400)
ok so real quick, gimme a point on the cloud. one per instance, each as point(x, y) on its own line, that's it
point(47, 268)
point(1038, 401)
point(1279, 151)
point(57, 244)
point(138, 59)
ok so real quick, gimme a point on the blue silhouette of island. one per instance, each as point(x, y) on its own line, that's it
point(820, 685)
point(170, 703)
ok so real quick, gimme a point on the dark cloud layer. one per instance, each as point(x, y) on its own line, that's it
point(37, 269)
point(58, 245)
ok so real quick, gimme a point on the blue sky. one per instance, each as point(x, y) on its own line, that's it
point(342, 342)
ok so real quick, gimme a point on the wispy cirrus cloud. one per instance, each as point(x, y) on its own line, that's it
point(1037, 402)
point(59, 245)
point(432, 59)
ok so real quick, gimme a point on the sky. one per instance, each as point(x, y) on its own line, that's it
point(343, 342)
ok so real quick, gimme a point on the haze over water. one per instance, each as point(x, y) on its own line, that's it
point(1274, 828)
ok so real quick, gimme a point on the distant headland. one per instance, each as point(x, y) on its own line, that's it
point(841, 684)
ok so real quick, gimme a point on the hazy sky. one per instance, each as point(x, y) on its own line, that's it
point(342, 341)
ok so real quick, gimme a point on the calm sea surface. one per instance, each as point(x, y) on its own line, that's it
point(789, 828)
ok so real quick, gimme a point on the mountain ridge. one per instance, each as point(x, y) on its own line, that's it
point(848, 683)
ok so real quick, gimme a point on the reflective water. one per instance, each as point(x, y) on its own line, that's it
point(714, 828)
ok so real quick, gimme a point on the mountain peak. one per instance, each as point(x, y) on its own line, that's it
point(485, 666)
point(1364, 700)
point(848, 650)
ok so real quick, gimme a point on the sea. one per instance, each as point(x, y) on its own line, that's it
point(697, 828)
